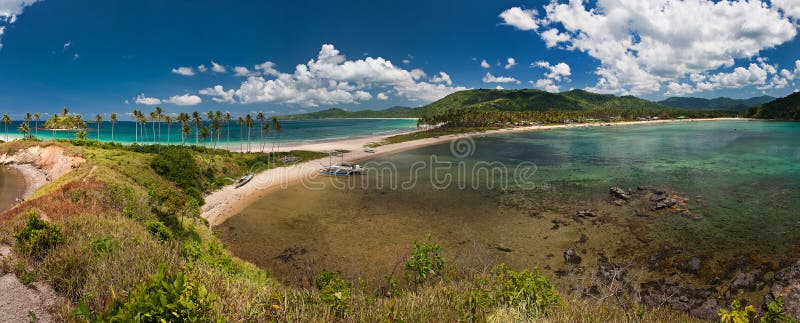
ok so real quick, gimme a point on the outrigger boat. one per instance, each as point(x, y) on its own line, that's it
point(343, 169)
point(244, 180)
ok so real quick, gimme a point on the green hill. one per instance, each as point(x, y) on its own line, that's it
point(787, 108)
point(716, 104)
point(524, 100)
point(334, 113)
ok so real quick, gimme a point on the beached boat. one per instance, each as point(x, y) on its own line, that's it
point(343, 169)
point(244, 180)
point(369, 150)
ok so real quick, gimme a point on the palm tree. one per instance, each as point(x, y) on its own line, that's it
point(159, 117)
point(249, 123)
point(99, 120)
point(218, 116)
point(153, 117)
point(65, 111)
point(260, 117)
point(276, 126)
point(168, 120)
point(185, 131)
point(197, 122)
point(264, 129)
point(37, 117)
point(228, 119)
point(6, 122)
point(204, 134)
point(183, 118)
point(113, 120)
point(241, 127)
point(25, 130)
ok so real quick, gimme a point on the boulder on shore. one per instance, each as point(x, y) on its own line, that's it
point(620, 193)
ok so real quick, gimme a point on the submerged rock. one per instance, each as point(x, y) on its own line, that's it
point(787, 285)
point(692, 266)
point(664, 203)
point(684, 298)
point(571, 257)
point(620, 193)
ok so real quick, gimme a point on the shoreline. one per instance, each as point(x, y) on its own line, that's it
point(226, 202)
point(34, 178)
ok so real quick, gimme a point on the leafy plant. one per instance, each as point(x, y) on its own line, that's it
point(425, 262)
point(38, 236)
point(166, 297)
point(103, 246)
point(529, 293)
point(334, 291)
point(178, 165)
point(737, 314)
point(159, 231)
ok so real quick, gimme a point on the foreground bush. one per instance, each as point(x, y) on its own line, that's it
point(425, 262)
point(527, 293)
point(334, 291)
point(38, 236)
point(165, 298)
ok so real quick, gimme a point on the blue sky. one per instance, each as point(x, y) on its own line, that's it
point(115, 56)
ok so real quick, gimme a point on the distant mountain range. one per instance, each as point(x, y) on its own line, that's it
point(716, 104)
point(574, 100)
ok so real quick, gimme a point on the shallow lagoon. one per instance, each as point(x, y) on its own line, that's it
point(738, 183)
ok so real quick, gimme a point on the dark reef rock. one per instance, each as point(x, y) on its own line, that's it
point(664, 203)
point(685, 298)
point(585, 214)
point(787, 285)
point(620, 193)
point(571, 257)
point(746, 281)
point(609, 271)
point(692, 266)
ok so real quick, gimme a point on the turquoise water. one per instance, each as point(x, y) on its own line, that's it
point(294, 131)
point(741, 180)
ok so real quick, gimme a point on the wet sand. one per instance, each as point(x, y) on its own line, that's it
point(12, 187)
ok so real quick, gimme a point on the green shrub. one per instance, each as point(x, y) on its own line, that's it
point(334, 291)
point(191, 250)
point(159, 231)
point(165, 298)
point(178, 165)
point(103, 246)
point(737, 314)
point(425, 262)
point(525, 292)
point(524, 289)
point(38, 236)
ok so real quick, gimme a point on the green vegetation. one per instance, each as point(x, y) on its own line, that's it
point(65, 121)
point(716, 104)
point(787, 108)
point(167, 297)
point(334, 291)
point(335, 113)
point(425, 262)
point(37, 237)
point(528, 294)
point(748, 314)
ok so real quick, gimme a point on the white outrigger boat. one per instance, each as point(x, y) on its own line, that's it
point(343, 169)
point(243, 180)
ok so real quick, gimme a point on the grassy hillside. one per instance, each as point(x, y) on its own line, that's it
point(787, 108)
point(716, 104)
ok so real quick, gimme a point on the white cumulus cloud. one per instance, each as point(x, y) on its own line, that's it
point(183, 70)
point(331, 78)
point(382, 96)
point(520, 18)
point(643, 45)
point(9, 10)
point(143, 100)
point(510, 63)
point(219, 94)
point(485, 64)
point(555, 72)
point(489, 78)
point(185, 99)
point(217, 68)
point(545, 85)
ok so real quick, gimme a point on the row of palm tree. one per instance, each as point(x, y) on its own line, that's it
point(215, 120)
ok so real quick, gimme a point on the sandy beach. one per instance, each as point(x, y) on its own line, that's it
point(226, 202)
